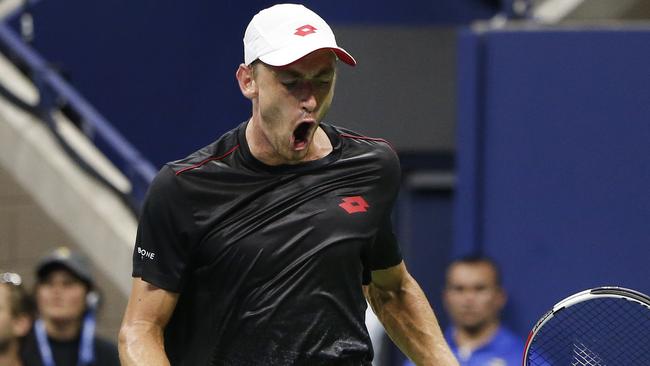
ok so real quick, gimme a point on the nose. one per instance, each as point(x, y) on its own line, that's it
point(467, 296)
point(308, 101)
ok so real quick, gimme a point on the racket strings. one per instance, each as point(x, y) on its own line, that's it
point(600, 331)
point(583, 356)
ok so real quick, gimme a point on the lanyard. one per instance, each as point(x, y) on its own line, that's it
point(86, 354)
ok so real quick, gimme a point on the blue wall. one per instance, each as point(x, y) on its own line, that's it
point(424, 228)
point(554, 160)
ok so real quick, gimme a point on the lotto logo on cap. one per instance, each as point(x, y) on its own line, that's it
point(284, 33)
point(305, 30)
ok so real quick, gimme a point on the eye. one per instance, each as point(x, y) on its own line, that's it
point(324, 82)
point(289, 83)
point(481, 288)
point(456, 288)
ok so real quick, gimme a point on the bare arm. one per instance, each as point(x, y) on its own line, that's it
point(404, 311)
point(141, 334)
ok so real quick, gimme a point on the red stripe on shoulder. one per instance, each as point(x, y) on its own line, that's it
point(207, 160)
point(347, 135)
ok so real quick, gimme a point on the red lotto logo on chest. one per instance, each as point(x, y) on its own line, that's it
point(354, 204)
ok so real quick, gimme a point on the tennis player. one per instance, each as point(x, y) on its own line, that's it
point(254, 249)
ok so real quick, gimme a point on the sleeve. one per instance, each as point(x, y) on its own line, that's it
point(161, 250)
point(385, 251)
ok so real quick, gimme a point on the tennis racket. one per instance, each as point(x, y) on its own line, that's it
point(604, 326)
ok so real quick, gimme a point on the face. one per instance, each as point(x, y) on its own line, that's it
point(6, 319)
point(472, 296)
point(289, 102)
point(61, 297)
point(11, 326)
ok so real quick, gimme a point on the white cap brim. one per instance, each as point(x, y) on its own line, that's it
point(288, 56)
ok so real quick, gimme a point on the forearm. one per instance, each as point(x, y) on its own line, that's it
point(142, 344)
point(411, 323)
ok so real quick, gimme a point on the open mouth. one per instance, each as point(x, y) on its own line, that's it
point(301, 135)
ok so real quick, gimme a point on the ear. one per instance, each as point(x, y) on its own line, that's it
point(246, 81)
point(502, 298)
point(21, 325)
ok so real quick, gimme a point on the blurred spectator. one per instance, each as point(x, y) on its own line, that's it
point(473, 298)
point(15, 318)
point(66, 300)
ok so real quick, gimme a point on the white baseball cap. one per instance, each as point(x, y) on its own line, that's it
point(284, 33)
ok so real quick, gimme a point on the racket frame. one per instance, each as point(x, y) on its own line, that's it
point(597, 292)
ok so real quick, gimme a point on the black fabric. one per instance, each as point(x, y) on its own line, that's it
point(269, 260)
point(65, 353)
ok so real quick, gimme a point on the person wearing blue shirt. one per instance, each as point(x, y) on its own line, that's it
point(474, 298)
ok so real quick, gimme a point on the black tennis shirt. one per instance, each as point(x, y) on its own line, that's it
point(269, 260)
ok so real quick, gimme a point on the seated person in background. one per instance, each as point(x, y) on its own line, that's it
point(64, 331)
point(15, 318)
point(473, 298)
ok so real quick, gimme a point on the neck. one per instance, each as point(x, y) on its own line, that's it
point(321, 146)
point(9, 355)
point(258, 144)
point(63, 330)
point(472, 339)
